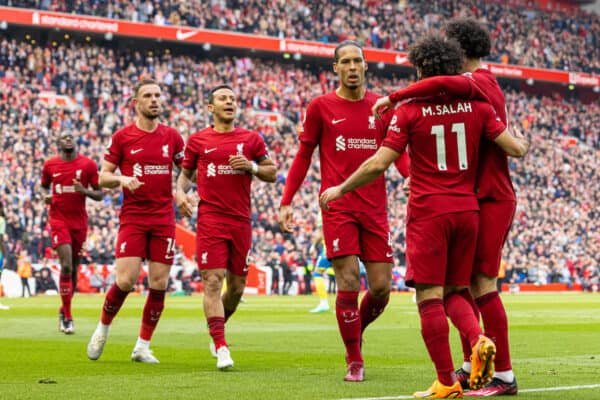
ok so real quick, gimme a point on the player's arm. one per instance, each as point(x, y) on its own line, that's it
point(185, 181)
point(94, 194)
point(514, 146)
point(264, 170)
point(459, 86)
point(295, 177)
point(109, 179)
point(366, 173)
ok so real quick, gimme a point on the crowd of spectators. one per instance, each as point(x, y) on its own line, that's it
point(555, 230)
point(522, 34)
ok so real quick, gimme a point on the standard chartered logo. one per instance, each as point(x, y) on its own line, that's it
point(137, 170)
point(211, 170)
point(340, 143)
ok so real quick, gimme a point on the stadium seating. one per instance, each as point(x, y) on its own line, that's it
point(522, 34)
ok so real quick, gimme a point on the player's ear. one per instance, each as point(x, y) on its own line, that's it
point(366, 65)
point(211, 108)
point(335, 67)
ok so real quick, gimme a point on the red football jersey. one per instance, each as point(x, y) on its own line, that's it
point(443, 138)
point(149, 156)
point(68, 205)
point(224, 192)
point(347, 134)
point(493, 177)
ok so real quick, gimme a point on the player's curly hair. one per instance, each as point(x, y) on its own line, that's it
point(433, 55)
point(472, 36)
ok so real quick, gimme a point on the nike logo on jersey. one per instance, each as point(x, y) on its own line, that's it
point(337, 121)
point(136, 151)
point(56, 174)
point(181, 35)
point(206, 151)
point(389, 254)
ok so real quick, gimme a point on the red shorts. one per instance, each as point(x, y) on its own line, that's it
point(150, 242)
point(362, 234)
point(222, 245)
point(62, 234)
point(441, 249)
point(495, 220)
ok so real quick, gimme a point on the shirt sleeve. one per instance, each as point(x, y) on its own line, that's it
point(492, 122)
point(93, 173)
point(178, 146)
point(46, 178)
point(312, 125)
point(113, 153)
point(259, 150)
point(397, 135)
point(190, 154)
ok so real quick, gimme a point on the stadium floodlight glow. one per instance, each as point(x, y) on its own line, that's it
point(3, 25)
point(108, 36)
point(571, 87)
point(206, 46)
point(297, 56)
point(529, 81)
point(286, 56)
point(596, 89)
point(380, 65)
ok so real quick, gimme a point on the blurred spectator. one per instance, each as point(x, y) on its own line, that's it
point(522, 34)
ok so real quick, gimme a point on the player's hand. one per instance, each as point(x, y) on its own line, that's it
point(240, 163)
point(78, 186)
point(382, 104)
point(184, 204)
point(329, 195)
point(131, 182)
point(406, 187)
point(48, 199)
point(286, 219)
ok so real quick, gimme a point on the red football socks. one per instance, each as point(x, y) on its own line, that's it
point(496, 327)
point(461, 314)
point(371, 307)
point(112, 304)
point(435, 330)
point(348, 318)
point(466, 346)
point(216, 329)
point(66, 294)
point(155, 303)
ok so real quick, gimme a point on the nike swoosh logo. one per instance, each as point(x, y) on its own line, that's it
point(180, 35)
point(389, 254)
point(56, 174)
point(136, 151)
point(349, 321)
point(337, 121)
point(206, 151)
point(168, 257)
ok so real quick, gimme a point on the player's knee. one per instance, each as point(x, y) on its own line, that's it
point(482, 285)
point(380, 289)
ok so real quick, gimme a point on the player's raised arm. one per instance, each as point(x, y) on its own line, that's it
point(459, 86)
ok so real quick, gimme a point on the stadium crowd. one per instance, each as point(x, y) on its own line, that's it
point(555, 236)
point(521, 33)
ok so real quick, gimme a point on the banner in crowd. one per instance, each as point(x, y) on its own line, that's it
point(37, 18)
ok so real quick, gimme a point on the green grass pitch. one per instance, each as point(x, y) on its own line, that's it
point(281, 351)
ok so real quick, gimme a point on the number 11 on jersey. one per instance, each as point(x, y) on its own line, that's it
point(440, 145)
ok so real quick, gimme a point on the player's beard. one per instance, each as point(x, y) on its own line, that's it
point(151, 115)
point(68, 150)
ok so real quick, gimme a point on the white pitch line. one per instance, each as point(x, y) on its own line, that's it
point(548, 389)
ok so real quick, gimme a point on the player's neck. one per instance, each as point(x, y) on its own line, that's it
point(146, 125)
point(223, 127)
point(472, 64)
point(351, 94)
point(66, 156)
